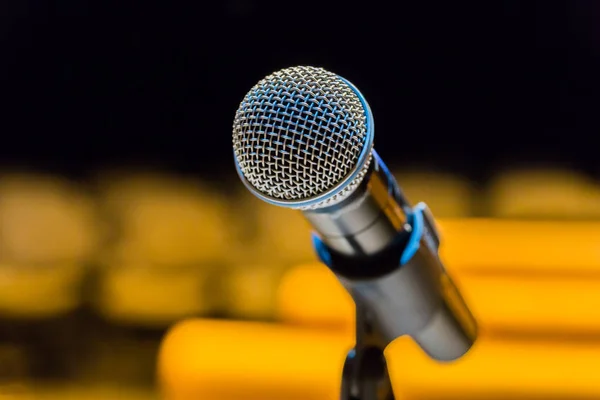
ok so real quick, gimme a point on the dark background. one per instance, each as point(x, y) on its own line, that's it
point(468, 87)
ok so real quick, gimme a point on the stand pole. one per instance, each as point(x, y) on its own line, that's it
point(365, 374)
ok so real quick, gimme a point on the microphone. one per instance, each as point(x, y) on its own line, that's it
point(303, 139)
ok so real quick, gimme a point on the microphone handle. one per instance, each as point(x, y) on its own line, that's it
point(390, 265)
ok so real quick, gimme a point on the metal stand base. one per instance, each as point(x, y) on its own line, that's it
point(365, 375)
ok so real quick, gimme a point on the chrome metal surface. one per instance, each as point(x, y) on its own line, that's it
point(420, 300)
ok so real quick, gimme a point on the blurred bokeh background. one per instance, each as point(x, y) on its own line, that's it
point(121, 214)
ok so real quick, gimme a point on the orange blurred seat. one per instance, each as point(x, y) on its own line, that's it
point(49, 233)
point(170, 238)
point(164, 220)
point(548, 193)
point(225, 360)
point(447, 195)
point(266, 240)
point(478, 246)
point(249, 289)
point(279, 235)
point(62, 391)
point(310, 295)
point(45, 219)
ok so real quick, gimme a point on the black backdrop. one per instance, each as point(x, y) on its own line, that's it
point(463, 86)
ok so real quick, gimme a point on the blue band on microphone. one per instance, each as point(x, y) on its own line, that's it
point(415, 220)
point(321, 249)
point(393, 188)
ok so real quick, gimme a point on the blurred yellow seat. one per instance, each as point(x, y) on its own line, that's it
point(310, 295)
point(521, 247)
point(544, 193)
point(74, 392)
point(165, 220)
point(266, 240)
point(249, 289)
point(228, 360)
point(45, 219)
point(277, 234)
point(170, 238)
point(447, 195)
point(513, 306)
point(49, 232)
point(39, 291)
point(140, 295)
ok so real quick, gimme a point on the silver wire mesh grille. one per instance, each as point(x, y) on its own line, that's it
point(298, 133)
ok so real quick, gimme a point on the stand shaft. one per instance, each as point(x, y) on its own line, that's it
point(365, 375)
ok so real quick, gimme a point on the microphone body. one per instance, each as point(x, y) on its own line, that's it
point(385, 253)
point(303, 139)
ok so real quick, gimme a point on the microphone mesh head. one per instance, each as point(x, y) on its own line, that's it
point(299, 134)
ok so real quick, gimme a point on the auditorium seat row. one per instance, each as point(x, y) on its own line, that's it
point(161, 247)
point(539, 337)
point(149, 250)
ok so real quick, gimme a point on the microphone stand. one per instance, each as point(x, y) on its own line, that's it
point(365, 374)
